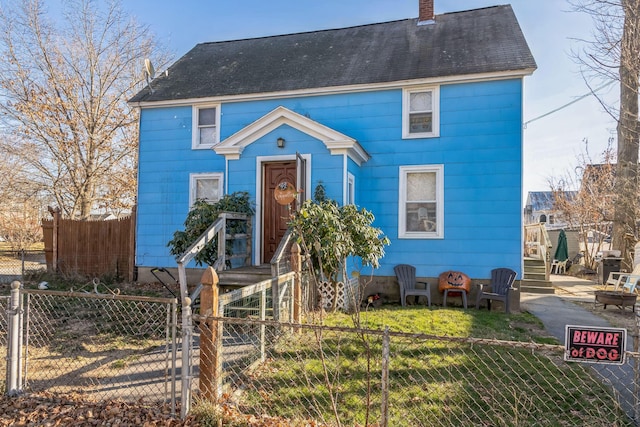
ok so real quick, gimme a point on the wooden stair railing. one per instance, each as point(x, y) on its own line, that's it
point(537, 245)
point(281, 260)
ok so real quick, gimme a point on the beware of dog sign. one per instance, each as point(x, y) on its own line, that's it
point(595, 345)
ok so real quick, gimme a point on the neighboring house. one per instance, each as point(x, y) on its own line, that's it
point(417, 120)
point(540, 208)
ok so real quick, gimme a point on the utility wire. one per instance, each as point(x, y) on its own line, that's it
point(568, 104)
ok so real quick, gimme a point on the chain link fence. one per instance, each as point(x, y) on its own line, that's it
point(334, 376)
point(124, 347)
point(4, 342)
point(104, 346)
point(15, 264)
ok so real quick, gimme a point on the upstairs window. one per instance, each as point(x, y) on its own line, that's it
point(206, 126)
point(421, 206)
point(205, 186)
point(420, 115)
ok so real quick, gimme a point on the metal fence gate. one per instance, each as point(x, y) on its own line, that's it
point(270, 299)
point(106, 346)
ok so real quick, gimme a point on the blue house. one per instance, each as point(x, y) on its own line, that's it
point(417, 120)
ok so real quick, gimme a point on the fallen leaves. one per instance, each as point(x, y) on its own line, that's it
point(44, 409)
point(74, 410)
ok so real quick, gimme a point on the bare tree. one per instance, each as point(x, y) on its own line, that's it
point(614, 54)
point(591, 211)
point(22, 206)
point(64, 86)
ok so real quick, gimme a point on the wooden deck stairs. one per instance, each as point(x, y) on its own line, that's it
point(242, 276)
point(535, 280)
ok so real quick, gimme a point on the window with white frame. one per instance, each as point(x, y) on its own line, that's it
point(206, 127)
point(420, 112)
point(205, 186)
point(421, 204)
point(351, 189)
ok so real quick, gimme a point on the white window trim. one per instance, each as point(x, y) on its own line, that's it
point(195, 130)
point(194, 177)
point(435, 97)
point(402, 202)
point(351, 185)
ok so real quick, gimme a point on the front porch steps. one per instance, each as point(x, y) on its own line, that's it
point(243, 276)
point(537, 286)
point(535, 278)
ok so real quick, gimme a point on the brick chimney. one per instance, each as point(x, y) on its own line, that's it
point(425, 12)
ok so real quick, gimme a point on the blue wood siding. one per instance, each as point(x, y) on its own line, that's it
point(481, 150)
point(165, 162)
point(480, 146)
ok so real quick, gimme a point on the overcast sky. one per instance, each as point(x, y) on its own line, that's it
point(552, 143)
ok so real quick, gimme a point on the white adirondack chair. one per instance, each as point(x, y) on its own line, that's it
point(628, 281)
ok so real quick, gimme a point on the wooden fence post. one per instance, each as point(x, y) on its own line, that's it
point(210, 338)
point(296, 266)
point(56, 223)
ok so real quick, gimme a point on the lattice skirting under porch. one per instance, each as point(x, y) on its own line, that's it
point(348, 296)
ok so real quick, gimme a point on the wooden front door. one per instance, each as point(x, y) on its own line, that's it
point(275, 216)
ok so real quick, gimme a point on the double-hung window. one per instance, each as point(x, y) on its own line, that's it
point(421, 204)
point(420, 112)
point(206, 128)
point(205, 186)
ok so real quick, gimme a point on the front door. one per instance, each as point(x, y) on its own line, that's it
point(275, 216)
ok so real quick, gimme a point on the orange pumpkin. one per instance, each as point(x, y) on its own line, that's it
point(454, 280)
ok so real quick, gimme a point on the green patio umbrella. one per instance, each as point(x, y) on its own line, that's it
point(562, 251)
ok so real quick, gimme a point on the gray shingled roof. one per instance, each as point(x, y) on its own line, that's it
point(476, 41)
point(544, 200)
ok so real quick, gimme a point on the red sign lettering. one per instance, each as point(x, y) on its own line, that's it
point(598, 345)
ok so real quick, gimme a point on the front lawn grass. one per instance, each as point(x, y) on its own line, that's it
point(439, 379)
point(450, 322)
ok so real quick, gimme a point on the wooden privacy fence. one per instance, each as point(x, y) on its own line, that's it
point(90, 248)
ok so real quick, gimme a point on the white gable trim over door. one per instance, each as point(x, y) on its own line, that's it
point(337, 143)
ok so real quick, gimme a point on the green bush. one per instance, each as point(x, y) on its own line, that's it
point(201, 216)
point(330, 234)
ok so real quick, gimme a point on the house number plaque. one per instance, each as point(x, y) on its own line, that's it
point(285, 193)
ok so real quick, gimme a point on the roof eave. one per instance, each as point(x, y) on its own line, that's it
point(332, 90)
